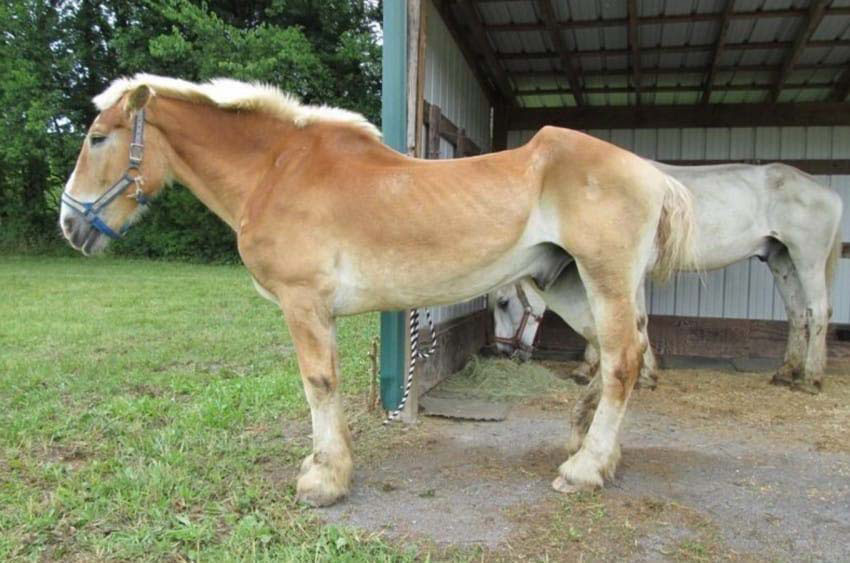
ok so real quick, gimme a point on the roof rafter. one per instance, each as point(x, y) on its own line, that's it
point(503, 84)
point(669, 89)
point(671, 49)
point(711, 115)
point(719, 47)
point(681, 70)
point(550, 19)
point(634, 46)
point(664, 19)
point(841, 88)
point(817, 10)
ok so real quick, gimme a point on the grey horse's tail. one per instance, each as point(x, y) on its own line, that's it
point(831, 264)
point(675, 239)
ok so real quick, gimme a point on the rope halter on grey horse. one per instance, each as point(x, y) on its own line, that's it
point(516, 341)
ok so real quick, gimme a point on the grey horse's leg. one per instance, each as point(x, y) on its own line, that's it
point(788, 283)
point(812, 276)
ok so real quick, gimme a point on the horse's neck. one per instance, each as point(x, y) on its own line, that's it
point(220, 156)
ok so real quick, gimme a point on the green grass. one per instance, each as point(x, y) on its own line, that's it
point(141, 406)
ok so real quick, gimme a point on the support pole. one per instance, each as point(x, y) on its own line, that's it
point(394, 120)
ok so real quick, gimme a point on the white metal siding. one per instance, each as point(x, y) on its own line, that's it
point(745, 290)
point(451, 84)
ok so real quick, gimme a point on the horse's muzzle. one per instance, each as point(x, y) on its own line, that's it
point(80, 234)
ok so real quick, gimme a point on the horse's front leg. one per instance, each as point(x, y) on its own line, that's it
point(325, 475)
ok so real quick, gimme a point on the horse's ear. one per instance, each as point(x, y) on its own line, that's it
point(139, 98)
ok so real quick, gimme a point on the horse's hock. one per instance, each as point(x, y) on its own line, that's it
point(458, 83)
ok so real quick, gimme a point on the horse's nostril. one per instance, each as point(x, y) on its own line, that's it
point(68, 224)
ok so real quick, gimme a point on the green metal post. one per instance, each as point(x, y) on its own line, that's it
point(394, 122)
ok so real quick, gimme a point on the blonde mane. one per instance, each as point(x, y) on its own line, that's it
point(235, 95)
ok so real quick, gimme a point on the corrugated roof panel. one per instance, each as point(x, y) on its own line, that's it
point(739, 31)
point(765, 29)
point(495, 13)
point(768, 5)
point(775, 29)
point(687, 98)
point(836, 55)
point(614, 37)
point(585, 39)
point(831, 27)
point(810, 76)
point(564, 11)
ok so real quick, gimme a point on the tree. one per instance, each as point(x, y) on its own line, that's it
point(57, 56)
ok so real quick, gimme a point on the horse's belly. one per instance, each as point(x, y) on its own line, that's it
point(360, 292)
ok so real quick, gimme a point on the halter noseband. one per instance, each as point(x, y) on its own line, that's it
point(90, 210)
point(527, 313)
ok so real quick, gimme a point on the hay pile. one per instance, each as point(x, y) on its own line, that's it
point(501, 380)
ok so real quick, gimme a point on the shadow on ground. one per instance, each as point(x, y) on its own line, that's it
point(715, 465)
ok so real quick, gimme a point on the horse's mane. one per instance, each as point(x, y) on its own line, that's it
point(235, 95)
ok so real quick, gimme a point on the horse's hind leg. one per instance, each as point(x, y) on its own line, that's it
point(812, 278)
point(582, 414)
point(788, 283)
point(567, 298)
point(647, 378)
point(325, 475)
point(612, 297)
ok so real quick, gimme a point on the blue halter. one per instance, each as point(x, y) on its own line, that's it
point(90, 210)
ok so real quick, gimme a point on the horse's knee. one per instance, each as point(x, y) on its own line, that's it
point(627, 368)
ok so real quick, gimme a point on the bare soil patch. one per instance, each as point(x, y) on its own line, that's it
point(715, 466)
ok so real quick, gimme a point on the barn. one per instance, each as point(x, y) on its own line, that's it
point(686, 82)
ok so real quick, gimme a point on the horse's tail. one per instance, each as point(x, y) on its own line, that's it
point(675, 238)
point(832, 263)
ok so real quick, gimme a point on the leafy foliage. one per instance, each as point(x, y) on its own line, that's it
point(57, 55)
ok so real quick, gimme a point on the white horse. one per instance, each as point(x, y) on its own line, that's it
point(774, 212)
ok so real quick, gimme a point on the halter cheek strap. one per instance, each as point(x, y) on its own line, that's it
point(527, 314)
point(91, 210)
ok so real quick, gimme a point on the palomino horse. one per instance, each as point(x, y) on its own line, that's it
point(774, 212)
point(332, 222)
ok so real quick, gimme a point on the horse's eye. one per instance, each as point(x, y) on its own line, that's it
point(96, 139)
point(503, 303)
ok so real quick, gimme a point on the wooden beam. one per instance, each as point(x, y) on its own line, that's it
point(470, 16)
point(549, 20)
point(841, 88)
point(634, 46)
point(701, 337)
point(670, 89)
point(680, 70)
point(670, 50)
point(662, 19)
point(471, 59)
point(719, 47)
point(711, 115)
point(815, 166)
point(448, 131)
point(433, 119)
point(815, 14)
point(500, 128)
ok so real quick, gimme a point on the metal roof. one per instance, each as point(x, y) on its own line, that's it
point(767, 51)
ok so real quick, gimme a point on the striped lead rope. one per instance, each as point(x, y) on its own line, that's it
point(415, 354)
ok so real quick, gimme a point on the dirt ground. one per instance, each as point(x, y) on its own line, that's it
point(715, 465)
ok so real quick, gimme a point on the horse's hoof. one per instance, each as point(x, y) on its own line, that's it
point(783, 379)
point(563, 486)
point(806, 386)
point(316, 495)
point(646, 382)
point(579, 378)
point(322, 484)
